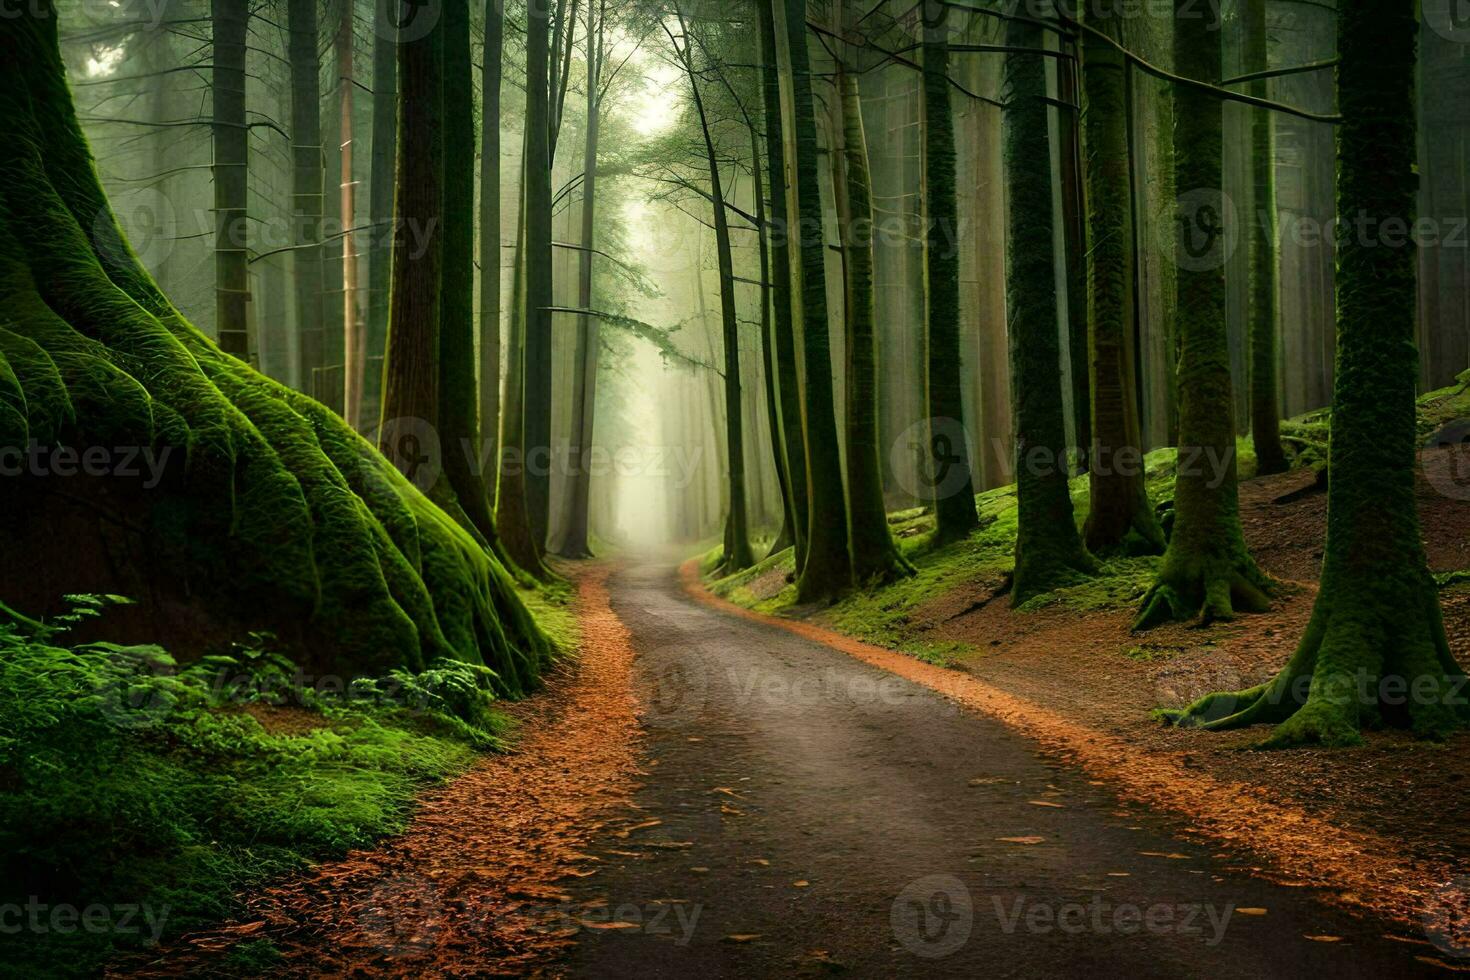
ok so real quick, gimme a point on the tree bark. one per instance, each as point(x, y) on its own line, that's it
point(352, 333)
point(536, 267)
point(1119, 516)
point(948, 448)
point(490, 261)
point(827, 571)
point(1265, 302)
point(380, 207)
point(1206, 568)
point(231, 136)
point(1376, 628)
point(1049, 550)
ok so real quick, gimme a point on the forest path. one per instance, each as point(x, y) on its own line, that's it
point(804, 812)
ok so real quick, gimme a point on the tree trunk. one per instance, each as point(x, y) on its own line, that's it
point(490, 262)
point(1074, 234)
point(792, 444)
point(408, 431)
point(828, 567)
point(536, 267)
point(307, 191)
point(284, 519)
point(1265, 303)
point(352, 333)
point(1375, 648)
point(231, 136)
point(1119, 516)
point(589, 343)
point(875, 558)
point(737, 534)
point(948, 451)
point(1206, 568)
point(1049, 550)
point(380, 207)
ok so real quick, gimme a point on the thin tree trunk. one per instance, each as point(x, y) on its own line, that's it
point(352, 335)
point(792, 444)
point(1265, 304)
point(490, 263)
point(410, 411)
point(308, 174)
point(1049, 550)
point(828, 568)
point(875, 558)
point(536, 262)
point(948, 449)
point(1074, 233)
point(1206, 568)
point(380, 207)
point(1119, 516)
point(786, 537)
point(231, 177)
point(589, 342)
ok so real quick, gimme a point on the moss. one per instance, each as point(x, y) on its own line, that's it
point(280, 517)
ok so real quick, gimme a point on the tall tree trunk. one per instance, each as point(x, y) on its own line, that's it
point(828, 568)
point(231, 171)
point(1049, 550)
point(1119, 516)
point(1265, 304)
point(792, 444)
point(307, 191)
point(589, 342)
point(786, 537)
point(737, 534)
point(408, 430)
point(1206, 568)
point(948, 449)
point(380, 206)
point(536, 267)
point(352, 333)
point(875, 558)
point(1074, 235)
point(490, 263)
point(458, 372)
point(1376, 630)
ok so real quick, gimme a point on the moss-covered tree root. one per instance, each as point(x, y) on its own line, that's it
point(277, 515)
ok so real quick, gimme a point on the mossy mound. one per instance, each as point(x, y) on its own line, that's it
point(270, 513)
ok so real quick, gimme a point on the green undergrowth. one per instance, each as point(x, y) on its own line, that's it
point(901, 614)
point(138, 796)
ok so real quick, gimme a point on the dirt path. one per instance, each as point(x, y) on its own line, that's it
point(711, 796)
point(817, 813)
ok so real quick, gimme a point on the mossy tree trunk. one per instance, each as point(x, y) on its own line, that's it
point(353, 348)
point(277, 516)
point(792, 443)
point(1074, 236)
point(1265, 303)
point(1119, 516)
point(492, 55)
point(1206, 570)
point(875, 557)
point(1375, 649)
point(231, 175)
point(409, 427)
point(589, 343)
point(827, 570)
point(1049, 550)
point(949, 451)
point(738, 554)
point(459, 406)
point(536, 267)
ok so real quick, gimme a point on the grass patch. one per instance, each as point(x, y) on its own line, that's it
point(128, 781)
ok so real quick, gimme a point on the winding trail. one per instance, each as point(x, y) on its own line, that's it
point(709, 795)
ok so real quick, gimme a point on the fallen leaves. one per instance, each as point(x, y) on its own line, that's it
point(1021, 840)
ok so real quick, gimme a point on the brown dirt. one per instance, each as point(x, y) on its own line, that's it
point(476, 882)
